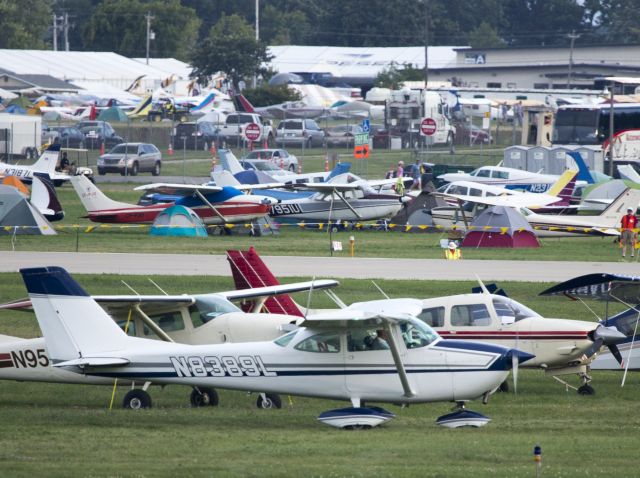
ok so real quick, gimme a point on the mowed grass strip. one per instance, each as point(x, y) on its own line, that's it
point(67, 430)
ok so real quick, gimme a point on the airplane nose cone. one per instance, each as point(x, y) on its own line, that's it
point(519, 354)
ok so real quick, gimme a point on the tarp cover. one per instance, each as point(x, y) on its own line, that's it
point(113, 114)
point(500, 226)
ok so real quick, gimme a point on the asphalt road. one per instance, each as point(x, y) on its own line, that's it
point(294, 266)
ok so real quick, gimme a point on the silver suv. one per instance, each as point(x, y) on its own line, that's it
point(299, 132)
point(131, 159)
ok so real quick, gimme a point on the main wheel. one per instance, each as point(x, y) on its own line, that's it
point(586, 389)
point(136, 400)
point(203, 397)
point(134, 169)
point(156, 169)
point(271, 400)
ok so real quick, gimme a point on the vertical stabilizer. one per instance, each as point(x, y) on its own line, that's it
point(92, 198)
point(48, 160)
point(44, 197)
point(630, 198)
point(73, 324)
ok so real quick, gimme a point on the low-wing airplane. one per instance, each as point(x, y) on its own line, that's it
point(557, 198)
point(46, 163)
point(191, 319)
point(560, 346)
point(356, 355)
point(611, 289)
point(214, 204)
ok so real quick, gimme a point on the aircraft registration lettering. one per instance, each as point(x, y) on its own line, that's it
point(225, 366)
point(24, 359)
point(284, 209)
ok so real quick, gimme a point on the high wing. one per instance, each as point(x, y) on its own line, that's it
point(601, 287)
point(178, 189)
point(269, 291)
point(528, 200)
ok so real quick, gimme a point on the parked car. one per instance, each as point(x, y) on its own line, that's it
point(471, 134)
point(280, 157)
point(195, 135)
point(343, 135)
point(299, 132)
point(265, 166)
point(131, 158)
point(98, 132)
point(67, 136)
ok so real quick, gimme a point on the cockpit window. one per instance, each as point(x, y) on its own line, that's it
point(470, 315)
point(509, 310)
point(362, 340)
point(433, 316)
point(285, 339)
point(417, 334)
point(320, 343)
point(167, 321)
point(208, 308)
point(483, 173)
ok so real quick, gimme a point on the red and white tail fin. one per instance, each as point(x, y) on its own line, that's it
point(92, 198)
point(250, 271)
point(245, 105)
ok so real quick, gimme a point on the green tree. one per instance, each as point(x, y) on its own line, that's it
point(231, 47)
point(270, 95)
point(24, 24)
point(393, 76)
point(484, 36)
point(120, 26)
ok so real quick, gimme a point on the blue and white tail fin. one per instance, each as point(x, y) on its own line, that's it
point(584, 174)
point(75, 327)
point(205, 105)
point(48, 160)
point(92, 198)
point(338, 169)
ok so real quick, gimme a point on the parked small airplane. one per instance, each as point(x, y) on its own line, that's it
point(560, 346)
point(287, 110)
point(356, 355)
point(611, 289)
point(214, 204)
point(46, 163)
point(190, 319)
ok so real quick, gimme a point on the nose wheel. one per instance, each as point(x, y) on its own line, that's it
point(204, 397)
point(268, 401)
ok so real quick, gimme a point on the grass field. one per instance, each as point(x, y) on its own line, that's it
point(67, 430)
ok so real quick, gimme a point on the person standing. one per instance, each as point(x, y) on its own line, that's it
point(453, 253)
point(629, 235)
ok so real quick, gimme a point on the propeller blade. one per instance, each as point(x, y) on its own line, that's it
point(608, 335)
point(613, 348)
point(591, 351)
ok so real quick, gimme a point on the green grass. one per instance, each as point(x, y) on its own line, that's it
point(67, 430)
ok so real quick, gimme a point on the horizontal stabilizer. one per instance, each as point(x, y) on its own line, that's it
point(94, 362)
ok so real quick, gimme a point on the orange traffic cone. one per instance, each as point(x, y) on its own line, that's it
point(170, 150)
point(265, 144)
point(281, 163)
point(326, 164)
point(102, 148)
point(212, 149)
point(299, 168)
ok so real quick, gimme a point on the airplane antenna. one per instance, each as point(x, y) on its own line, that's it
point(159, 288)
point(482, 286)
point(380, 289)
point(309, 298)
point(132, 289)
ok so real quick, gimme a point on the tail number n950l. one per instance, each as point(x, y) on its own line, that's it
point(226, 366)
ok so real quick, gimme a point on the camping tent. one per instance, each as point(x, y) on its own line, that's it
point(500, 226)
point(178, 221)
point(18, 216)
point(113, 114)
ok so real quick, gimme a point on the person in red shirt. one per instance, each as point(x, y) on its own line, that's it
point(629, 236)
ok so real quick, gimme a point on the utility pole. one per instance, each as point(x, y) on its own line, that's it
point(573, 37)
point(426, 43)
point(55, 32)
point(149, 17)
point(255, 77)
point(65, 29)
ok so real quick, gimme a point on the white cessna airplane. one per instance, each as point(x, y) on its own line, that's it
point(190, 319)
point(330, 356)
point(45, 164)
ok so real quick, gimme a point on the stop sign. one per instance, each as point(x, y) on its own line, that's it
point(252, 131)
point(428, 126)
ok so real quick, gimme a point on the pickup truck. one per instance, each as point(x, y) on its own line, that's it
point(233, 127)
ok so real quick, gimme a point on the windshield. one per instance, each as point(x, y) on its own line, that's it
point(207, 308)
point(576, 126)
point(265, 166)
point(417, 334)
point(124, 148)
point(510, 310)
point(259, 155)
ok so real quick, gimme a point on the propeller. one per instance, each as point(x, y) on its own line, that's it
point(608, 336)
point(517, 357)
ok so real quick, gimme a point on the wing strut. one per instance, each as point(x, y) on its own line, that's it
point(213, 208)
point(402, 373)
point(344, 200)
point(151, 324)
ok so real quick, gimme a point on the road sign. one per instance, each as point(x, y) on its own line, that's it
point(361, 138)
point(252, 132)
point(428, 126)
point(361, 151)
point(366, 125)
